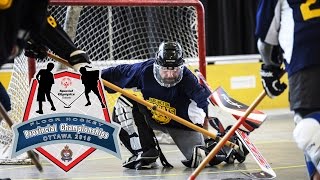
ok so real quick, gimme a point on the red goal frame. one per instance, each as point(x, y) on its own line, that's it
point(196, 3)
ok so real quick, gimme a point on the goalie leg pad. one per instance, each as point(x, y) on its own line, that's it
point(307, 137)
point(123, 114)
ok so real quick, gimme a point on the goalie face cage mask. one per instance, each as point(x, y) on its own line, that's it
point(169, 63)
point(167, 76)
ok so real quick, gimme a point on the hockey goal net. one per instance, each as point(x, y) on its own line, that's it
point(116, 32)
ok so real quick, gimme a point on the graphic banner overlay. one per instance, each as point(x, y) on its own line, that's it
point(65, 128)
point(66, 118)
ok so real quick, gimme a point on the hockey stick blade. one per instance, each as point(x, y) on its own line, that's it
point(266, 170)
point(259, 175)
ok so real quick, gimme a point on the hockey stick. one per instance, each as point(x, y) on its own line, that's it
point(266, 170)
point(257, 156)
point(227, 136)
point(152, 106)
point(66, 105)
point(30, 153)
point(76, 99)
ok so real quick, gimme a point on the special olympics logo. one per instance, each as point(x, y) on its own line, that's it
point(66, 82)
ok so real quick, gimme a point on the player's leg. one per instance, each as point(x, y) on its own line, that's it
point(304, 100)
point(4, 98)
point(150, 153)
point(122, 115)
point(40, 98)
point(39, 111)
point(307, 137)
point(96, 92)
point(86, 93)
point(186, 140)
point(140, 143)
point(194, 147)
point(6, 135)
point(50, 100)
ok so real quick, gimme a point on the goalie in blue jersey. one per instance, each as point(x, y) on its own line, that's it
point(167, 83)
point(294, 27)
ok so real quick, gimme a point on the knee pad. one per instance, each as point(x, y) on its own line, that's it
point(123, 114)
point(307, 137)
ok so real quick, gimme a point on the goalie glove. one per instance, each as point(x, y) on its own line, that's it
point(34, 50)
point(270, 77)
point(78, 59)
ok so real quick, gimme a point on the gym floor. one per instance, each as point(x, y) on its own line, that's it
point(273, 139)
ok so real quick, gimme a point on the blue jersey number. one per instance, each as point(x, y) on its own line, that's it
point(308, 13)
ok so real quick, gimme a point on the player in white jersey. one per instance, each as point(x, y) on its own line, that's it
point(290, 29)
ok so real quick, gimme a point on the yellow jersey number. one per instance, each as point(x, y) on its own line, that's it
point(51, 21)
point(5, 4)
point(308, 13)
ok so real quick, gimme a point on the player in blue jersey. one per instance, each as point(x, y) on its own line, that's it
point(290, 29)
point(21, 20)
point(167, 83)
point(26, 24)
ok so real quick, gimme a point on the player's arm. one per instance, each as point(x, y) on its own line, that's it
point(55, 38)
point(124, 75)
point(16, 22)
point(4, 98)
point(198, 94)
point(271, 70)
point(38, 75)
point(267, 32)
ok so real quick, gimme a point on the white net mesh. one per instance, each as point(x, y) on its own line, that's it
point(130, 33)
point(112, 35)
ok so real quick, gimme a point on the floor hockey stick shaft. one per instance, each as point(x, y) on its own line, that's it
point(227, 136)
point(30, 153)
point(154, 107)
point(76, 99)
point(60, 99)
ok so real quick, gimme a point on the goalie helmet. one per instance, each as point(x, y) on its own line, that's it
point(169, 64)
